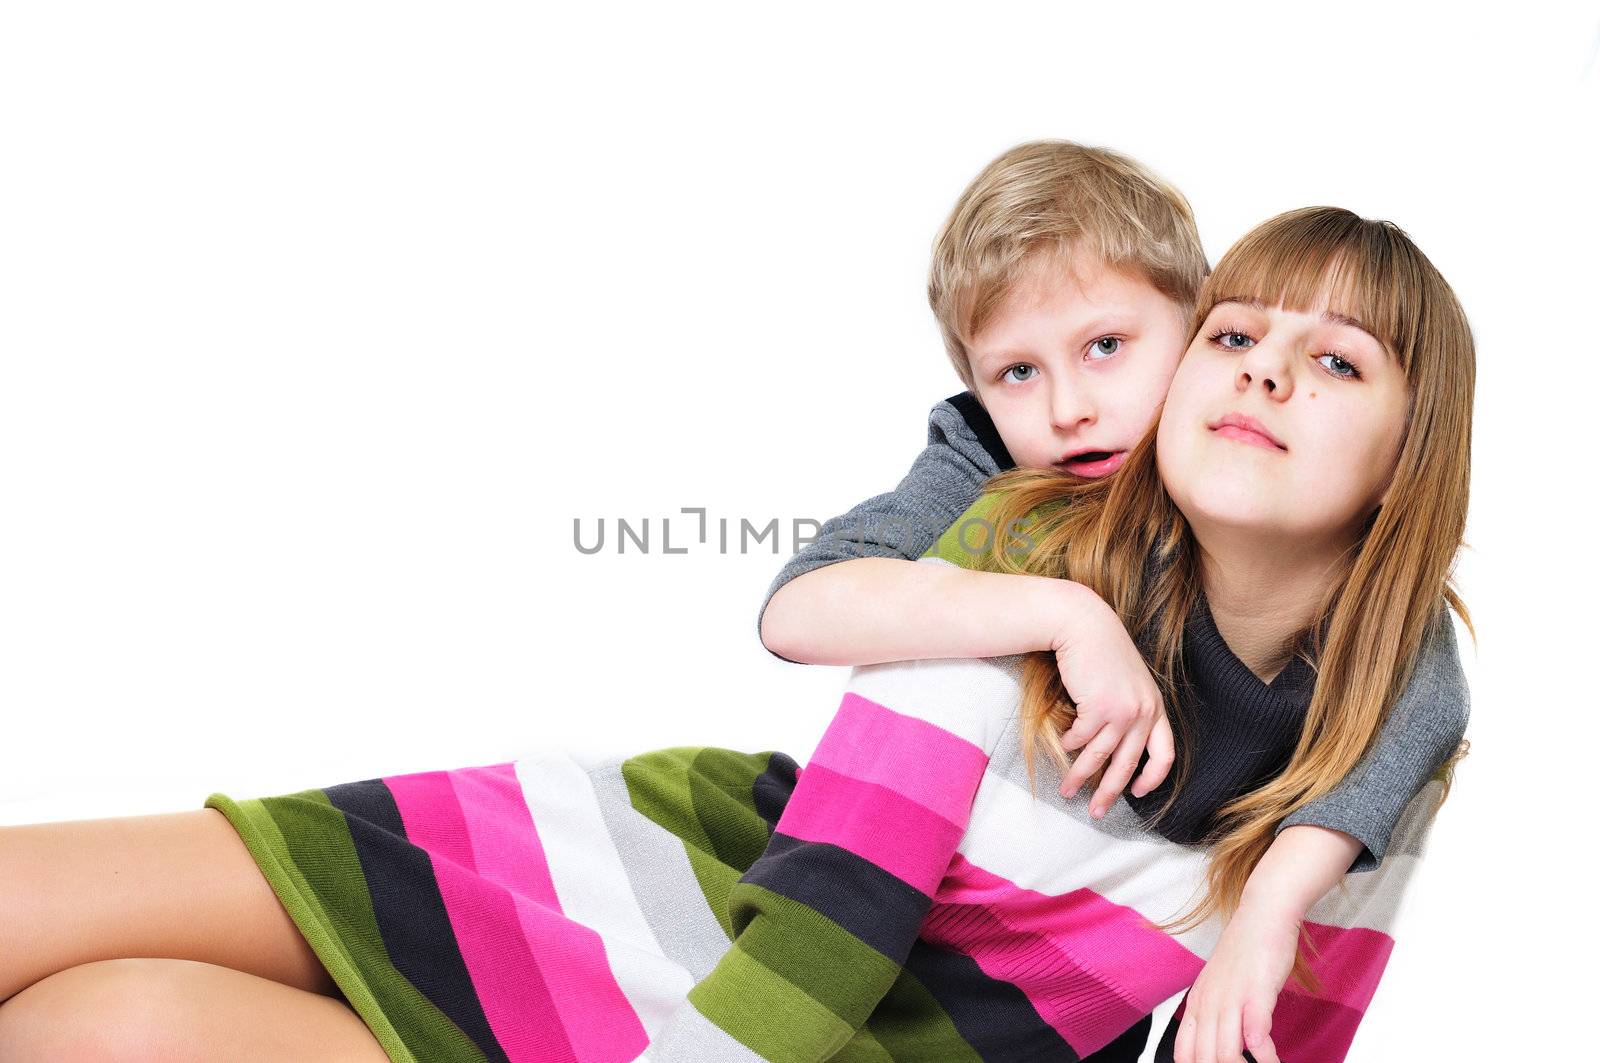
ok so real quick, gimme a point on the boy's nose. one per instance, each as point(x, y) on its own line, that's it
point(1071, 406)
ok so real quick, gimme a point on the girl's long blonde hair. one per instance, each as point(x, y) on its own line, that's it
point(1386, 590)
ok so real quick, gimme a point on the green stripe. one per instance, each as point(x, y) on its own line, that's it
point(313, 828)
point(774, 1019)
point(968, 540)
point(722, 784)
point(303, 847)
point(811, 952)
point(703, 795)
point(864, 1048)
point(912, 1026)
point(965, 542)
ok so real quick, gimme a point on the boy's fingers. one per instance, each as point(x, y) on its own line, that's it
point(1162, 753)
point(1119, 772)
point(1082, 730)
point(1089, 761)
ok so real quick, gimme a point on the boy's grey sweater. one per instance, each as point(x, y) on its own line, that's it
point(964, 450)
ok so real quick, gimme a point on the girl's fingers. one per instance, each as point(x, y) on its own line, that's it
point(1230, 1039)
point(1123, 763)
point(1258, 1032)
point(1205, 1035)
point(1183, 1047)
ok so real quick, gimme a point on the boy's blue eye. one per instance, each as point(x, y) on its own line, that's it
point(1027, 369)
point(1350, 372)
point(1105, 347)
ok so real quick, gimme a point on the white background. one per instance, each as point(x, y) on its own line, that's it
point(321, 323)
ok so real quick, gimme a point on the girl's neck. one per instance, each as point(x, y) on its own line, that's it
point(1262, 599)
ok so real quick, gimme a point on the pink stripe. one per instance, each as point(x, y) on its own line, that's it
point(1311, 1030)
point(601, 1022)
point(521, 1012)
point(543, 981)
point(1090, 968)
point(902, 753)
point(504, 842)
point(1349, 961)
point(877, 824)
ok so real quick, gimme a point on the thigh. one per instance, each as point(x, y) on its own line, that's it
point(179, 885)
point(178, 1011)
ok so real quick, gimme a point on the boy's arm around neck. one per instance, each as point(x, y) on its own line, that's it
point(963, 451)
point(875, 609)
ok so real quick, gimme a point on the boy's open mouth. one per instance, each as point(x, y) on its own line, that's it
point(1094, 464)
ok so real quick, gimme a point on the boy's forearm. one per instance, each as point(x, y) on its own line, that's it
point(1303, 863)
point(873, 609)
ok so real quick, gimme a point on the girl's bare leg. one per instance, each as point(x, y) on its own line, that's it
point(178, 886)
point(178, 1011)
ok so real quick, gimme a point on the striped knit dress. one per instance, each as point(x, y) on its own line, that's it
point(903, 897)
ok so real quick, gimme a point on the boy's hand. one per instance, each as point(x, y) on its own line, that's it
point(1120, 709)
point(1229, 1008)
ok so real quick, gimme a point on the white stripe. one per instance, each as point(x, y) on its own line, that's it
point(593, 886)
point(1042, 848)
point(974, 698)
point(1039, 845)
point(1374, 898)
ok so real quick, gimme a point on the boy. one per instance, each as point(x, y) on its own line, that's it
point(1063, 283)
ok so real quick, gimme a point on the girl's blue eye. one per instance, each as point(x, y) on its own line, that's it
point(1229, 334)
point(1105, 346)
point(1027, 368)
point(1350, 372)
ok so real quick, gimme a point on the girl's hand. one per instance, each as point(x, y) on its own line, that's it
point(1229, 1008)
point(1120, 710)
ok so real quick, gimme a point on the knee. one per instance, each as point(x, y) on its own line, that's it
point(110, 1010)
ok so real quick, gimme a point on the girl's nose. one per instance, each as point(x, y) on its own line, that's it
point(1267, 365)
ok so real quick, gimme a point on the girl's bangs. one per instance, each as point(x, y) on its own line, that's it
point(1306, 260)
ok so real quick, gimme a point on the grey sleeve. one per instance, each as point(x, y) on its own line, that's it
point(946, 478)
point(1422, 730)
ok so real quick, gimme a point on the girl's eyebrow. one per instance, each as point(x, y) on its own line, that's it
point(1330, 316)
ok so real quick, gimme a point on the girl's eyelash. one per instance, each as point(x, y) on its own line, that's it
point(1355, 370)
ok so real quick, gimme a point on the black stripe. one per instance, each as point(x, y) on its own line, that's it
point(982, 425)
point(863, 898)
point(1127, 1048)
point(410, 910)
point(774, 787)
point(993, 1016)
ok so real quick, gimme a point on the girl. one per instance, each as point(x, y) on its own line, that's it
point(902, 897)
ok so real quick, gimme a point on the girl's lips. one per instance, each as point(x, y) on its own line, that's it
point(1244, 435)
point(1093, 470)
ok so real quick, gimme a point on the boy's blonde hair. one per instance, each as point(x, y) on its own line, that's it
point(1058, 198)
